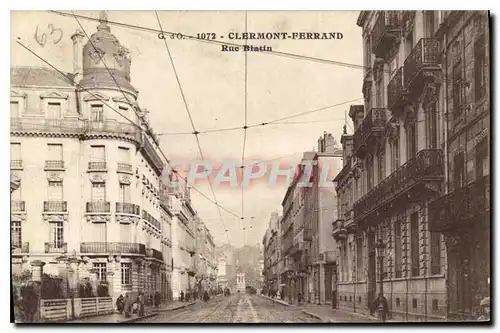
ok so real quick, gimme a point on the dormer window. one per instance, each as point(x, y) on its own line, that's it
point(96, 113)
point(54, 110)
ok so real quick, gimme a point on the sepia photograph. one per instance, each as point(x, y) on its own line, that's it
point(236, 167)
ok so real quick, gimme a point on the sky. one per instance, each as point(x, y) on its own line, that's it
point(213, 83)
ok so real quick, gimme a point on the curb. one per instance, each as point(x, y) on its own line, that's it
point(276, 301)
point(131, 320)
point(313, 315)
point(176, 308)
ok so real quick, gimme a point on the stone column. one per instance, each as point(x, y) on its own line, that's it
point(37, 271)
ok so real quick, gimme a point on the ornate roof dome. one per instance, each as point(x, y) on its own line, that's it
point(104, 50)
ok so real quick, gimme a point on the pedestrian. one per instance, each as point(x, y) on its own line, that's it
point(120, 304)
point(382, 307)
point(127, 306)
point(206, 297)
point(157, 299)
point(140, 300)
point(182, 296)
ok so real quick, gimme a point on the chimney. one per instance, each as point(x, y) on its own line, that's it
point(77, 39)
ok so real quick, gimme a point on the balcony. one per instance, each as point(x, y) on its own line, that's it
point(128, 208)
point(289, 267)
point(113, 129)
point(297, 248)
point(17, 206)
point(462, 208)
point(339, 232)
point(370, 129)
point(151, 220)
point(98, 207)
point(386, 31)
point(44, 125)
point(106, 247)
point(54, 165)
point(152, 155)
point(97, 166)
point(152, 253)
point(396, 92)
point(124, 167)
point(55, 206)
point(422, 66)
point(18, 248)
point(16, 164)
point(411, 179)
point(56, 247)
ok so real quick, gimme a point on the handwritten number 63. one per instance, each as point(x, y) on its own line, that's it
point(54, 33)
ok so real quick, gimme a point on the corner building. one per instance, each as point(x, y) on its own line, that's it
point(88, 178)
point(397, 169)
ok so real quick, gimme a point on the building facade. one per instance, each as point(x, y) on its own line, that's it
point(206, 268)
point(88, 203)
point(398, 166)
point(462, 213)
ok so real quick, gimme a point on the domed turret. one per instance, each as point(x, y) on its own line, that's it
point(104, 50)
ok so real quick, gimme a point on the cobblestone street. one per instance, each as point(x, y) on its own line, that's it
point(234, 309)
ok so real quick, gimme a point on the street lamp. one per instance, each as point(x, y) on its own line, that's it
point(382, 306)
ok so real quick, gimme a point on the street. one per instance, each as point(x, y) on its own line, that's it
point(237, 308)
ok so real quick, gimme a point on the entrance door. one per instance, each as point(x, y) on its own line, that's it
point(328, 282)
point(372, 282)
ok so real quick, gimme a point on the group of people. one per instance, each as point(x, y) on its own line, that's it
point(136, 305)
point(205, 296)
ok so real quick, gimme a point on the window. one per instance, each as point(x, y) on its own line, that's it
point(481, 159)
point(415, 245)
point(456, 90)
point(381, 166)
point(98, 192)
point(431, 122)
point(98, 154)
point(414, 303)
point(124, 193)
point(14, 109)
point(480, 68)
point(435, 305)
point(344, 262)
point(458, 170)
point(15, 233)
point(394, 65)
point(101, 270)
point(97, 113)
point(349, 263)
point(369, 173)
point(99, 235)
point(430, 23)
point(397, 249)
point(359, 258)
point(55, 151)
point(57, 234)
point(398, 302)
point(380, 92)
point(435, 253)
point(54, 110)
point(55, 191)
point(395, 155)
point(412, 140)
point(15, 152)
point(123, 154)
point(126, 270)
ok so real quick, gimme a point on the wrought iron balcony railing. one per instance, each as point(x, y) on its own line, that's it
point(55, 206)
point(386, 29)
point(456, 209)
point(395, 91)
point(428, 164)
point(23, 247)
point(153, 253)
point(97, 165)
point(424, 54)
point(37, 124)
point(128, 208)
point(56, 247)
point(124, 167)
point(54, 165)
point(373, 123)
point(17, 206)
point(98, 207)
point(151, 154)
point(16, 164)
point(110, 247)
point(151, 220)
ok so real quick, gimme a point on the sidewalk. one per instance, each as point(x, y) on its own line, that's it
point(120, 318)
point(326, 314)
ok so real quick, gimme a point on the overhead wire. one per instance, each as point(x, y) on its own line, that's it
point(190, 118)
point(244, 135)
